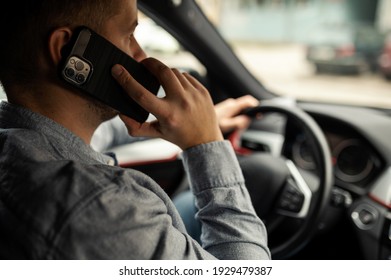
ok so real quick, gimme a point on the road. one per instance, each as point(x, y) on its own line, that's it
point(284, 70)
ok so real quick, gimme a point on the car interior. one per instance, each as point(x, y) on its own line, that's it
point(323, 169)
point(330, 192)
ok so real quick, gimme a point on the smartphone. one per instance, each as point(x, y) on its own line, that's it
point(87, 63)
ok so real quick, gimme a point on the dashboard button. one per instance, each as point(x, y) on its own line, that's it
point(366, 217)
point(340, 198)
point(291, 198)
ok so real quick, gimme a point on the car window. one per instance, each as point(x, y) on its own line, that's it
point(158, 43)
point(323, 51)
point(2, 93)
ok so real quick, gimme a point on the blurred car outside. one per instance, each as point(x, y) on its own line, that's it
point(344, 48)
point(385, 58)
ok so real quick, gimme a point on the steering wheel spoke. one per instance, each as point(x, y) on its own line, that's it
point(296, 196)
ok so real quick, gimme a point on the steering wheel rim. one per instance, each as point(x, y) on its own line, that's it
point(322, 152)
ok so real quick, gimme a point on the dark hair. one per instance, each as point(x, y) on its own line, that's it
point(26, 24)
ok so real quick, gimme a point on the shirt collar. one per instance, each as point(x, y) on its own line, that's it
point(67, 144)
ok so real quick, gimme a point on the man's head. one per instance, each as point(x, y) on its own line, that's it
point(34, 31)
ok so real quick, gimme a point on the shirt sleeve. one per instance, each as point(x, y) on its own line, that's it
point(116, 213)
point(230, 227)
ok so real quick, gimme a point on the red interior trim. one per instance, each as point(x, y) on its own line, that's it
point(378, 200)
point(234, 138)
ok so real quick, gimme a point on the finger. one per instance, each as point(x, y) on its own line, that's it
point(247, 101)
point(164, 74)
point(236, 106)
point(136, 91)
point(195, 83)
point(239, 122)
point(242, 122)
point(181, 78)
point(137, 129)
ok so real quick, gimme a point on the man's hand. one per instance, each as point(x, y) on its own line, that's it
point(185, 116)
point(228, 110)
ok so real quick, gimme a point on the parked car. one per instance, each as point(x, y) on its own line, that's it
point(385, 58)
point(344, 49)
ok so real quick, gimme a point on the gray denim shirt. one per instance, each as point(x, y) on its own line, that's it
point(59, 199)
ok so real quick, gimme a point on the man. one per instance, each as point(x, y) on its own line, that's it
point(59, 199)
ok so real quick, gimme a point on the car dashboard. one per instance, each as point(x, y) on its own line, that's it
point(360, 147)
point(359, 140)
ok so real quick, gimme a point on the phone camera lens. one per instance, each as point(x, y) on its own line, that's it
point(80, 78)
point(79, 65)
point(70, 72)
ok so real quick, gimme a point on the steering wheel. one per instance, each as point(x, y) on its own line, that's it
point(284, 196)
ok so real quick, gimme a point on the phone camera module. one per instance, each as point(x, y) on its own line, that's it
point(77, 70)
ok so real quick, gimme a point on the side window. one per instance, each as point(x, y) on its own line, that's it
point(2, 93)
point(158, 43)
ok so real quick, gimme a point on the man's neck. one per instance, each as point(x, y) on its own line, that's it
point(73, 111)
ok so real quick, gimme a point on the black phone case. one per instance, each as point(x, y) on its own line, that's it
point(98, 56)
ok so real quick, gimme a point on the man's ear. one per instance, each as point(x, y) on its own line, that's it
point(57, 40)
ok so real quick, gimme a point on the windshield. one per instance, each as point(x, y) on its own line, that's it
point(330, 51)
